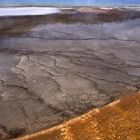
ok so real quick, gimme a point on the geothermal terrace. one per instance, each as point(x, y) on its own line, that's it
point(55, 67)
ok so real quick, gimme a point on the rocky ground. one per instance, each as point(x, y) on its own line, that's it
point(52, 72)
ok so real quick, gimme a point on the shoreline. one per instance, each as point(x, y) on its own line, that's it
point(59, 9)
point(17, 11)
point(82, 15)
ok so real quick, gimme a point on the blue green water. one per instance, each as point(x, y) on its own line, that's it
point(72, 2)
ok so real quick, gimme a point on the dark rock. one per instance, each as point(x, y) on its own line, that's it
point(15, 132)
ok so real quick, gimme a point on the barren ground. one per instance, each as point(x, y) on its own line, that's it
point(55, 68)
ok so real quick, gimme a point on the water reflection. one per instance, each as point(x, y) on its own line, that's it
point(19, 25)
point(36, 38)
point(128, 30)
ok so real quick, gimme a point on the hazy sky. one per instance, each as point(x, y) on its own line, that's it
point(73, 2)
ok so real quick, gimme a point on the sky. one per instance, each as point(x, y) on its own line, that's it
point(71, 2)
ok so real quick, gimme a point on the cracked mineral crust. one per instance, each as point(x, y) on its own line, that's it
point(50, 73)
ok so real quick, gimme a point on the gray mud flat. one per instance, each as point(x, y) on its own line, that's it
point(52, 72)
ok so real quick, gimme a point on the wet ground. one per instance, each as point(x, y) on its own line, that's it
point(52, 69)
